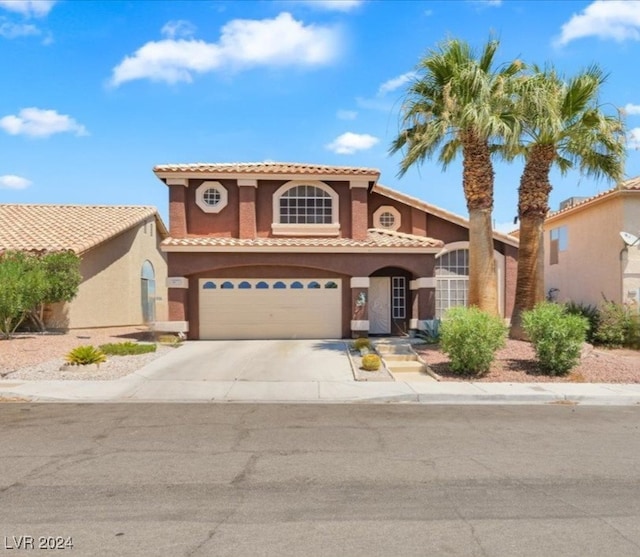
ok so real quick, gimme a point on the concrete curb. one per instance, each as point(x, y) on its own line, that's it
point(136, 388)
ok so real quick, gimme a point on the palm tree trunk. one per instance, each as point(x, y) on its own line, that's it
point(477, 181)
point(533, 205)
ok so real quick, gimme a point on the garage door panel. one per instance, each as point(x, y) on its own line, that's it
point(255, 312)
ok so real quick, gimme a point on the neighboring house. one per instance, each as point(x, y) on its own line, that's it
point(280, 250)
point(123, 270)
point(586, 258)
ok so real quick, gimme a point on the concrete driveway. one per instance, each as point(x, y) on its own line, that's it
point(253, 360)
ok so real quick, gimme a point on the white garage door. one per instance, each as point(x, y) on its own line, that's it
point(270, 308)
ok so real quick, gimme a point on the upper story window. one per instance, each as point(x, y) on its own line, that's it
point(211, 196)
point(386, 217)
point(558, 242)
point(305, 208)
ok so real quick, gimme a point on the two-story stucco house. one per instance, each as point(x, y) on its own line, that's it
point(586, 258)
point(280, 250)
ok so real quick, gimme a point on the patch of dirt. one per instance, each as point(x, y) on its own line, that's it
point(30, 349)
point(516, 363)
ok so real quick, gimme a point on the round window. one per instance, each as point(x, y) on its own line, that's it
point(211, 197)
point(387, 220)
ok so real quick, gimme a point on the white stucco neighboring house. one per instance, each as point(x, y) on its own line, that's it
point(123, 270)
point(587, 260)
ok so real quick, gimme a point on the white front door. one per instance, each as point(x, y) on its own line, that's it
point(379, 310)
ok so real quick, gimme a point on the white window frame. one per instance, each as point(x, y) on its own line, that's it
point(398, 297)
point(210, 184)
point(288, 229)
point(377, 216)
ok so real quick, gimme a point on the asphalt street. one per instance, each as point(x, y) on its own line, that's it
point(312, 480)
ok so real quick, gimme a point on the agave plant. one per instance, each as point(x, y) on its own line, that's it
point(85, 355)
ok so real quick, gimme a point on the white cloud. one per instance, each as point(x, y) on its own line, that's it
point(280, 41)
point(347, 114)
point(37, 8)
point(10, 30)
point(348, 143)
point(395, 83)
point(13, 182)
point(605, 19)
point(179, 28)
point(334, 5)
point(36, 122)
point(632, 109)
point(633, 139)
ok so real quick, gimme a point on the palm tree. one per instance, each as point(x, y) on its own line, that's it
point(458, 103)
point(564, 125)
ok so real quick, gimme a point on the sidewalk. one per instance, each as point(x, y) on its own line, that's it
point(137, 388)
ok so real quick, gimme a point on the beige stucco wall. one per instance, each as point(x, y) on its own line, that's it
point(110, 292)
point(590, 267)
point(630, 256)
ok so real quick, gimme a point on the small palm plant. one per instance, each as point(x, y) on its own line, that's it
point(85, 355)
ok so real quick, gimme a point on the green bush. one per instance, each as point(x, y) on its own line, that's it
point(362, 342)
point(127, 348)
point(470, 338)
point(557, 336)
point(614, 327)
point(591, 313)
point(171, 340)
point(85, 355)
point(371, 362)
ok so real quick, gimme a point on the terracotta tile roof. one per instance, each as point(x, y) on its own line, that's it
point(376, 238)
point(67, 227)
point(633, 185)
point(268, 168)
point(437, 211)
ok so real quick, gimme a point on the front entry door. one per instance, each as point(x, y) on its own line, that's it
point(379, 310)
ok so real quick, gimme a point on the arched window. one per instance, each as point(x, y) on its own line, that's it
point(148, 292)
point(262, 285)
point(452, 280)
point(227, 285)
point(244, 285)
point(296, 284)
point(208, 285)
point(331, 285)
point(305, 207)
point(313, 284)
point(279, 284)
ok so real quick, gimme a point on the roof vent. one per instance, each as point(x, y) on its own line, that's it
point(570, 202)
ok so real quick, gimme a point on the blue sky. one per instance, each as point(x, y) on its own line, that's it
point(94, 94)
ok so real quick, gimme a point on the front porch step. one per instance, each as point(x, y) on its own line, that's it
point(404, 366)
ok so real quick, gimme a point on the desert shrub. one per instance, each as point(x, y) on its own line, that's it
point(557, 336)
point(171, 340)
point(85, 355)
point(614, 326)
point(127, 348)
point(362, 342)
point(371, 362)
point(591, 313)
point(431, 332)
point(470, 338)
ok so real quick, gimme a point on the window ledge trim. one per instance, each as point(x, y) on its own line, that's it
point(279, 229)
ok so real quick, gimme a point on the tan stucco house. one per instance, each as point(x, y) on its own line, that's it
point(288, 250)
point(123, 269)
point(586, 257)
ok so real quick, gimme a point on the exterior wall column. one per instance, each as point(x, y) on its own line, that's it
point(359, 209)
point(178, 290)
point(247, 209)
point(423, 291)
point(177, 207)
point(359, 305)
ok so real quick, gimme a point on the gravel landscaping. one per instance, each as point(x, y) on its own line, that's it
point(39, 356)
point(516, 364)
